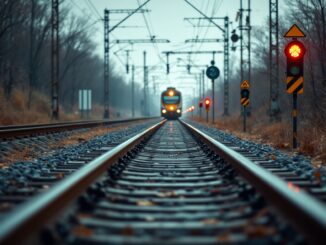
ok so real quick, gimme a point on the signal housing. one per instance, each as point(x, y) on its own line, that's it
point(294, 52)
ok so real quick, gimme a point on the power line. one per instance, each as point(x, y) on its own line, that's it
point(81, 10)
point(92, 7)
point(151, 36)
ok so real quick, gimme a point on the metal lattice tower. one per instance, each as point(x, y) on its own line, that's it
point(226, 66)
point(106, 64)
point(273, 59)
point(245, 45)
point(55, 59)
point(107, 31)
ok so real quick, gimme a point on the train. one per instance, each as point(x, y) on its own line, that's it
point(171, 103)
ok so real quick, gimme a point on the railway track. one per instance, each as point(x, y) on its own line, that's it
point(7, 132)
point(170, 184)
point(297, 170)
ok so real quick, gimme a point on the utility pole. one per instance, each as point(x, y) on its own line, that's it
point(106, 64)
point(273, 60)
point(55, 59)
point(133, 91)
point(226, 68)
point(245, 50)
point(107, 31)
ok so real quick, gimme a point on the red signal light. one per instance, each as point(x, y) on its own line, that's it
point(295, 50)
point(207, 104)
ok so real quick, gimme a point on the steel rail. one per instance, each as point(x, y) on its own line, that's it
point(303, 211)
point(30, 216)
point(24, 130)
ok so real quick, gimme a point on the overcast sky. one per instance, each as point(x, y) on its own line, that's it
point(166, 21)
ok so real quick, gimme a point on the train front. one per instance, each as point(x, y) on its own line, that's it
point(171, 104)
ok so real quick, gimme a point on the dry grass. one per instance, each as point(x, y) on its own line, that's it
point(16, 111)
point(311, 137)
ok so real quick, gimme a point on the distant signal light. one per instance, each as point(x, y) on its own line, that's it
point(207, 103)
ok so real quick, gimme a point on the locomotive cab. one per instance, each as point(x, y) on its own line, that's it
point(171, 103)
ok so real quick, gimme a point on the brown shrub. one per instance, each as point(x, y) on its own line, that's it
point(311, 135)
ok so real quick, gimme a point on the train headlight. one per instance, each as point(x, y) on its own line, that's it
point(171, 108)
point(171, 93)
point(178, 111)
point(163, 111)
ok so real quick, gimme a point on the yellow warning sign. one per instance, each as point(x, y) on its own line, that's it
point(294, 31)
point(294, 85)
point(245, 85)
point(244, 101)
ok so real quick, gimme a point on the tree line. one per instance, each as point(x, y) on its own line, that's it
point(25, 59)
point(25, 56)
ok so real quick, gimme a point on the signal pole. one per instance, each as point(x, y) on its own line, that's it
point(294, 51)
point(55, 59)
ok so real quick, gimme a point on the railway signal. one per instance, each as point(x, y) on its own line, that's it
point(245, 85)
point(207, 105)
point(213, 73)
point(294, 52)
point(244, 100)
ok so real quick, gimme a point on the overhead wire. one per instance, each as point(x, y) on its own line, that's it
point(82, 10)
point(198, 29)
point(214, 9)
point(93, 8)
point(151, 35)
